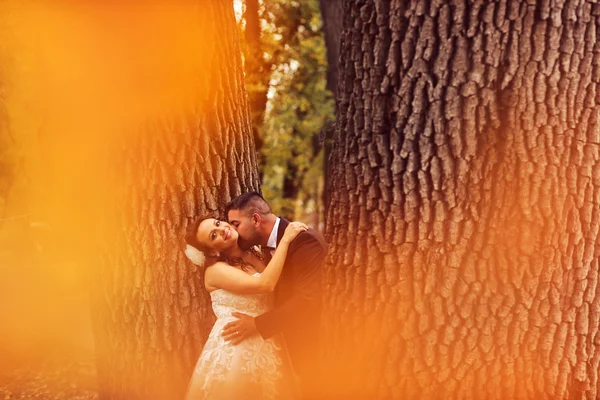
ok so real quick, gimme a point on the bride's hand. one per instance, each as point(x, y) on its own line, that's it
point(293, 230)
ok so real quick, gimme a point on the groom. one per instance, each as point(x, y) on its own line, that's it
point(297, 294)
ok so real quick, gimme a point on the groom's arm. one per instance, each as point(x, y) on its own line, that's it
point(307, 259)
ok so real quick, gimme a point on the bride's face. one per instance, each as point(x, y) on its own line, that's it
point(216, 235)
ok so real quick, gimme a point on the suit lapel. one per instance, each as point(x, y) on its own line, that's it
point(283, 223)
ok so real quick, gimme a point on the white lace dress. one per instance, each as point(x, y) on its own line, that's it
point(253, 369)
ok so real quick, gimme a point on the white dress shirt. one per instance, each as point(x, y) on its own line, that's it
point(272, 242)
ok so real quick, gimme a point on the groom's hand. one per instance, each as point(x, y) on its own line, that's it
point(236, 331)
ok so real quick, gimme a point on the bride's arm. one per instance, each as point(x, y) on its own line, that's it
point(223, 276)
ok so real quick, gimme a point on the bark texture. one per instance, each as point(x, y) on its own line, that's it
point(332, 14)
point(465, 201)
point(151, 311)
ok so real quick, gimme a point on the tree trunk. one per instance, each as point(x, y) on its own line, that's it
point(148, 126)
point(152, 311)
point(258, 73)
point(465, 201)
point(292, 183)
point(332, 13)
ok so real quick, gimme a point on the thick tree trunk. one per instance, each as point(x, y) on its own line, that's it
point(292, 183)
point(132, 130)
point(152, 312)
point(258, 73)
point(465, 201)
point(151, 128)
point(332, 13)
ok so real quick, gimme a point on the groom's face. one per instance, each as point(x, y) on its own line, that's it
point(246, 226)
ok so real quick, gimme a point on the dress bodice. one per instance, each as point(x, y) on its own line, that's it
point(224, 302)
point(255, 368)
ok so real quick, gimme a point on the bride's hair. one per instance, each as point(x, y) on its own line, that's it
point(192, 231)
point(192, 240)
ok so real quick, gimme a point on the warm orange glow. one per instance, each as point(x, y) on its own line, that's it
point(77, 76)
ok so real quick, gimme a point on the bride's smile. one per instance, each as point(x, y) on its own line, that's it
point(217, 235)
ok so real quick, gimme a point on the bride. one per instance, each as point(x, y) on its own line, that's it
point(239, 282)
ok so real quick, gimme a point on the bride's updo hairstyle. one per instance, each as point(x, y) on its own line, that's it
point(198, 254)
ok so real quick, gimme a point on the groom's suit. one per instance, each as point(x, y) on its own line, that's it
point(297, 311)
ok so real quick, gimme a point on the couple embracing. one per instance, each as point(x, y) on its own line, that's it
point(264, 342)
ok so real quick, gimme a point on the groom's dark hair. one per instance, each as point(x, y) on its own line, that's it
point(251, 202)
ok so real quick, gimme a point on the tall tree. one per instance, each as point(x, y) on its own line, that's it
point(465, 201)
point(332, 14)
point(258, 69)
point(145, 126)
point(179, 167)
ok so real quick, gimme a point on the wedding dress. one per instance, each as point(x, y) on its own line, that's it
point(252, 369)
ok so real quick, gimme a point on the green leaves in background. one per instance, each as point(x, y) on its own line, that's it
point(299, 107)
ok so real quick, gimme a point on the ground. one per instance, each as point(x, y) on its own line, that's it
point(58, 379)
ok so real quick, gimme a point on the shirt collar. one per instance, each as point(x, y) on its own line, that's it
point(272, 242)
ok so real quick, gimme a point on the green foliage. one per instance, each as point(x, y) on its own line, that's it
point(299, 106)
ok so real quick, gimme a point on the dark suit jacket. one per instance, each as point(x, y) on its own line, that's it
point(297, 311)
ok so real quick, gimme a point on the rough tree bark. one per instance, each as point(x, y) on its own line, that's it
point(135, 129)
point(465, 201)
point(332, 14)
point(151, 312)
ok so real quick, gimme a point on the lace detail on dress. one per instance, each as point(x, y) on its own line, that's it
point(255, 368)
